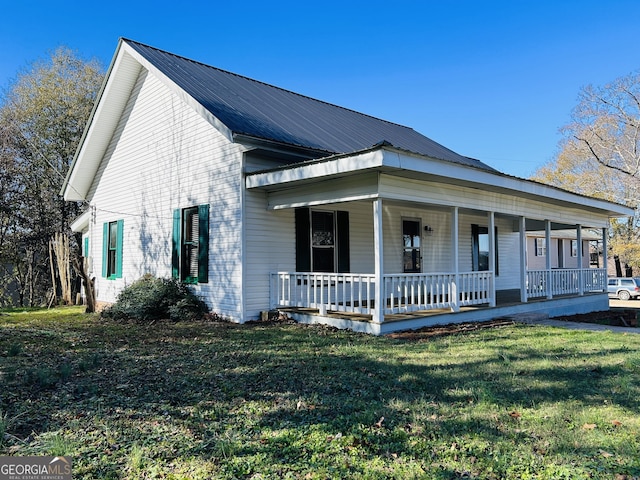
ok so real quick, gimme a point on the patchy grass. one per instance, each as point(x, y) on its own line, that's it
point(212, 400)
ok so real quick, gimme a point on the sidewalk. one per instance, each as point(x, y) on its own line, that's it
point(538, 319)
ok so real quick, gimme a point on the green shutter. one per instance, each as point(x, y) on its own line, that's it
point(203, 243)
point(86, 246)
point(303, 240)
point(342, 241)
point(175, 245)
point(105, 248)
point(119, 245)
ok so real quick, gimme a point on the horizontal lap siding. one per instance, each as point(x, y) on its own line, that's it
point(436, 248)
point(165, 156)
point(270, 245)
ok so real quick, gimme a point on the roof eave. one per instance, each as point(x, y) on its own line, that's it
point(385, 158)
point(110, 103)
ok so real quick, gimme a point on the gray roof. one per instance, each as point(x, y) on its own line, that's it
point(255, 109)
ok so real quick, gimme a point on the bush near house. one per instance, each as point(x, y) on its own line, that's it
point(152, 298)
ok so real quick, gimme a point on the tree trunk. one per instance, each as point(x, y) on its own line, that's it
point(616, 259)
point(80, 266)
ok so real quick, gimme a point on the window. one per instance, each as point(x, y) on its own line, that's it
point(541, 247)
point(112, 239)
point(411, 246)
point(322, 240)
point(480, 248)
point(190, 244)
point(574, 248)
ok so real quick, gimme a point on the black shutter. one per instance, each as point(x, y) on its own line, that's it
point(203, 243)
point(475, 247)
point(303, 240)
point(342, 223)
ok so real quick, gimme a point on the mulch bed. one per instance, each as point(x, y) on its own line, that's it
point(451, 329)
point(614, 317)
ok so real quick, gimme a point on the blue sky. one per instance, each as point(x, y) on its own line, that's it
point(494, 80)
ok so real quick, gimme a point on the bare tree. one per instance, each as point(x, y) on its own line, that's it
point(600, 155)
point(42, 117)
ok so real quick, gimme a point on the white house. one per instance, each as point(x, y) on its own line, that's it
point(264, 199)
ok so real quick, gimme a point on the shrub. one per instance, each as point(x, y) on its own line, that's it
point(151, 298)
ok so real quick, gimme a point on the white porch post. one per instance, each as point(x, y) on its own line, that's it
point(455, 295)
point(547, 241)
point(605, 262)
point(579, 258)
point(379, 294)
point(522, 227)
point(492, 258)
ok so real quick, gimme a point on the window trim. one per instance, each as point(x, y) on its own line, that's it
point(418, 250)
point(179, 246)
point(112, 269)
point(303, 240)
point(476, 231)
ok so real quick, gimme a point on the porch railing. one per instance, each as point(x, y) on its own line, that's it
point(355, 293)
point(564, 281)
point(342, 292)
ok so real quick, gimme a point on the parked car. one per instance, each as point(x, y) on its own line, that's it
point(623, 288)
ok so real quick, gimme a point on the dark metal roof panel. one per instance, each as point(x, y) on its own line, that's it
point(256, 109)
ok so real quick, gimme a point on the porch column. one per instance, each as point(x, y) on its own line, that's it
point(379, 295)
point(522, 227)
point(547, 241)
point(579, 258)
point(605, 263)
point(455, 295)
point(492, 258)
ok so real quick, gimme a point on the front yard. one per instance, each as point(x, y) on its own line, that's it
point(215, 400)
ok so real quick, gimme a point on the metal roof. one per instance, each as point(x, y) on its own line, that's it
point(256, 109)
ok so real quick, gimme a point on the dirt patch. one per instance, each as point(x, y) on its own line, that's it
point(425, 333)
point(614, 318)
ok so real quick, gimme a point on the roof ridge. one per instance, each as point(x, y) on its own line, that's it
point(228, 72)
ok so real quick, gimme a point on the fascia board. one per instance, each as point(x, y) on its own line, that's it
point(81, 223)
point(404, 161)
point(112, 99)
point(388, 158)
point(316, 170)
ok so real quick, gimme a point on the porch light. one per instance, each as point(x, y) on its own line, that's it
point(428, 231)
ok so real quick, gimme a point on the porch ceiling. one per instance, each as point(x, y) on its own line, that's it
point(356, 177)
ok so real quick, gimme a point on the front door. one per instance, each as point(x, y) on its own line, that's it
point(411, 259)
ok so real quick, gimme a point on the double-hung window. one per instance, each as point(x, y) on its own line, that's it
point(322, 240)
point(112, 240)
point(541, 247)
point(190, 245)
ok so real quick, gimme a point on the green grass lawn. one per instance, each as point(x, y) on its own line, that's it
point(213, 400)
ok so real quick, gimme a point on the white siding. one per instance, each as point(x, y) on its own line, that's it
point(271, 245)
point(165, 156)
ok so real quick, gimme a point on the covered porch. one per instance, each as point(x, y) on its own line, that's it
point(442, 248)
point(410, 293)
